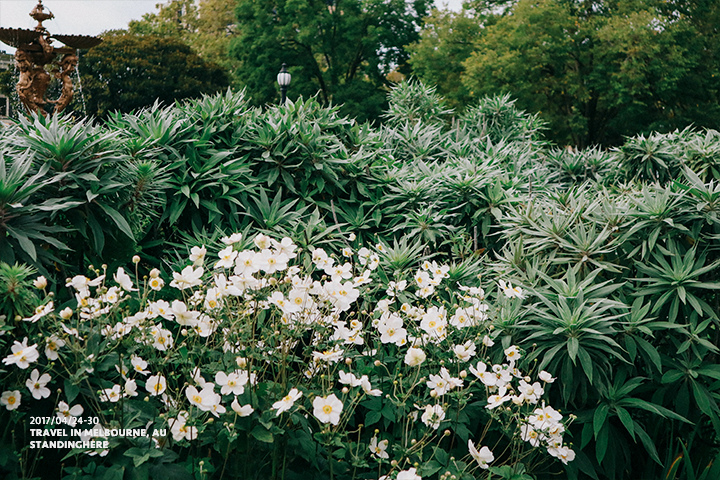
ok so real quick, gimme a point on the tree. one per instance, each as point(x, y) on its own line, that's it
point(448, 39)
point(127, 72)
point(341, 50)
point(207, 26)
point(596, 70)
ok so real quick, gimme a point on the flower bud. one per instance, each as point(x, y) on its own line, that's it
point(377, 363)
point(40, 282)
point(136, 259)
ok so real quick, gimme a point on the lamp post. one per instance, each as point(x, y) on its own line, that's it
point(283, 79)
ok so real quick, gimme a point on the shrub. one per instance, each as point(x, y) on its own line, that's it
point(270, 362)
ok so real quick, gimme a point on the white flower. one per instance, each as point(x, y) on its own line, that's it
point(333, 355)
point(391, 330)
point(123, 279)
point(480, 371)
point(227, 257)
point(187, 278)
point(156, 385)
point(414, 357)
point(65, 411)
point(10, 399)
point(40, 282)
point(139, 365)
point(465, 351)
point(37, 384)
point(66, 313)
point(408, 475)
point(367, 388)
point(498, 399)
point(206, 399)
point(183, 316)
point(482, 457)
point(110, 394)
point(162, 308)
point(40, 312)
point(530, 392)
point(379, 448)
point(287, 401)
point(197, 255)
point(512, 353)
point(444, 382)
point(433, 415)
point(327, 409)
point(339, 273)
point(245, 263)
point(130, 389)
point(156, 283)
point(162, 338)
point(262, 241)
point(22, 355)
point(52, 345)
point(230, 383)
point(510, 291)
point(244, 410)
point(179, 429)
point(394, 287)
point(363, 255)
point(349, 379)
point(564, 453)
point(232, 239)
point(546, 377)
point(530, 435)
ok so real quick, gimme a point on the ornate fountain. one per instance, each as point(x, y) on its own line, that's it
point(34, 50)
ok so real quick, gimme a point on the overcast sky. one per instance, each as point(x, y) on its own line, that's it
point(90, 17)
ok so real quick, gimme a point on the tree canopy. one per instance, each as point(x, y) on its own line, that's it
point(596, 70)
point(207, 26)
point(341, 50)
point(127, 72)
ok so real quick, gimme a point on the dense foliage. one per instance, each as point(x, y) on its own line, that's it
point(597, 70)
point(341, 51)
point(615, 250)
point(207, 26)
point(127, 72)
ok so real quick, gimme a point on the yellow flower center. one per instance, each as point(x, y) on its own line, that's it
point(327, 409)
point(11, 400)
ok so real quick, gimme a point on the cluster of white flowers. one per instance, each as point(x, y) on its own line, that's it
point(239, 285)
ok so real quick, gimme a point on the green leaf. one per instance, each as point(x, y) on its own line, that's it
point(573, 345)
point(626, 420)
point(116, 472)
point(372, 418)
point(71, 390)
point(599, 418)
point(262, 434)
point(118, 219)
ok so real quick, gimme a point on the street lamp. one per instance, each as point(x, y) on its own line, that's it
point(283, 79)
